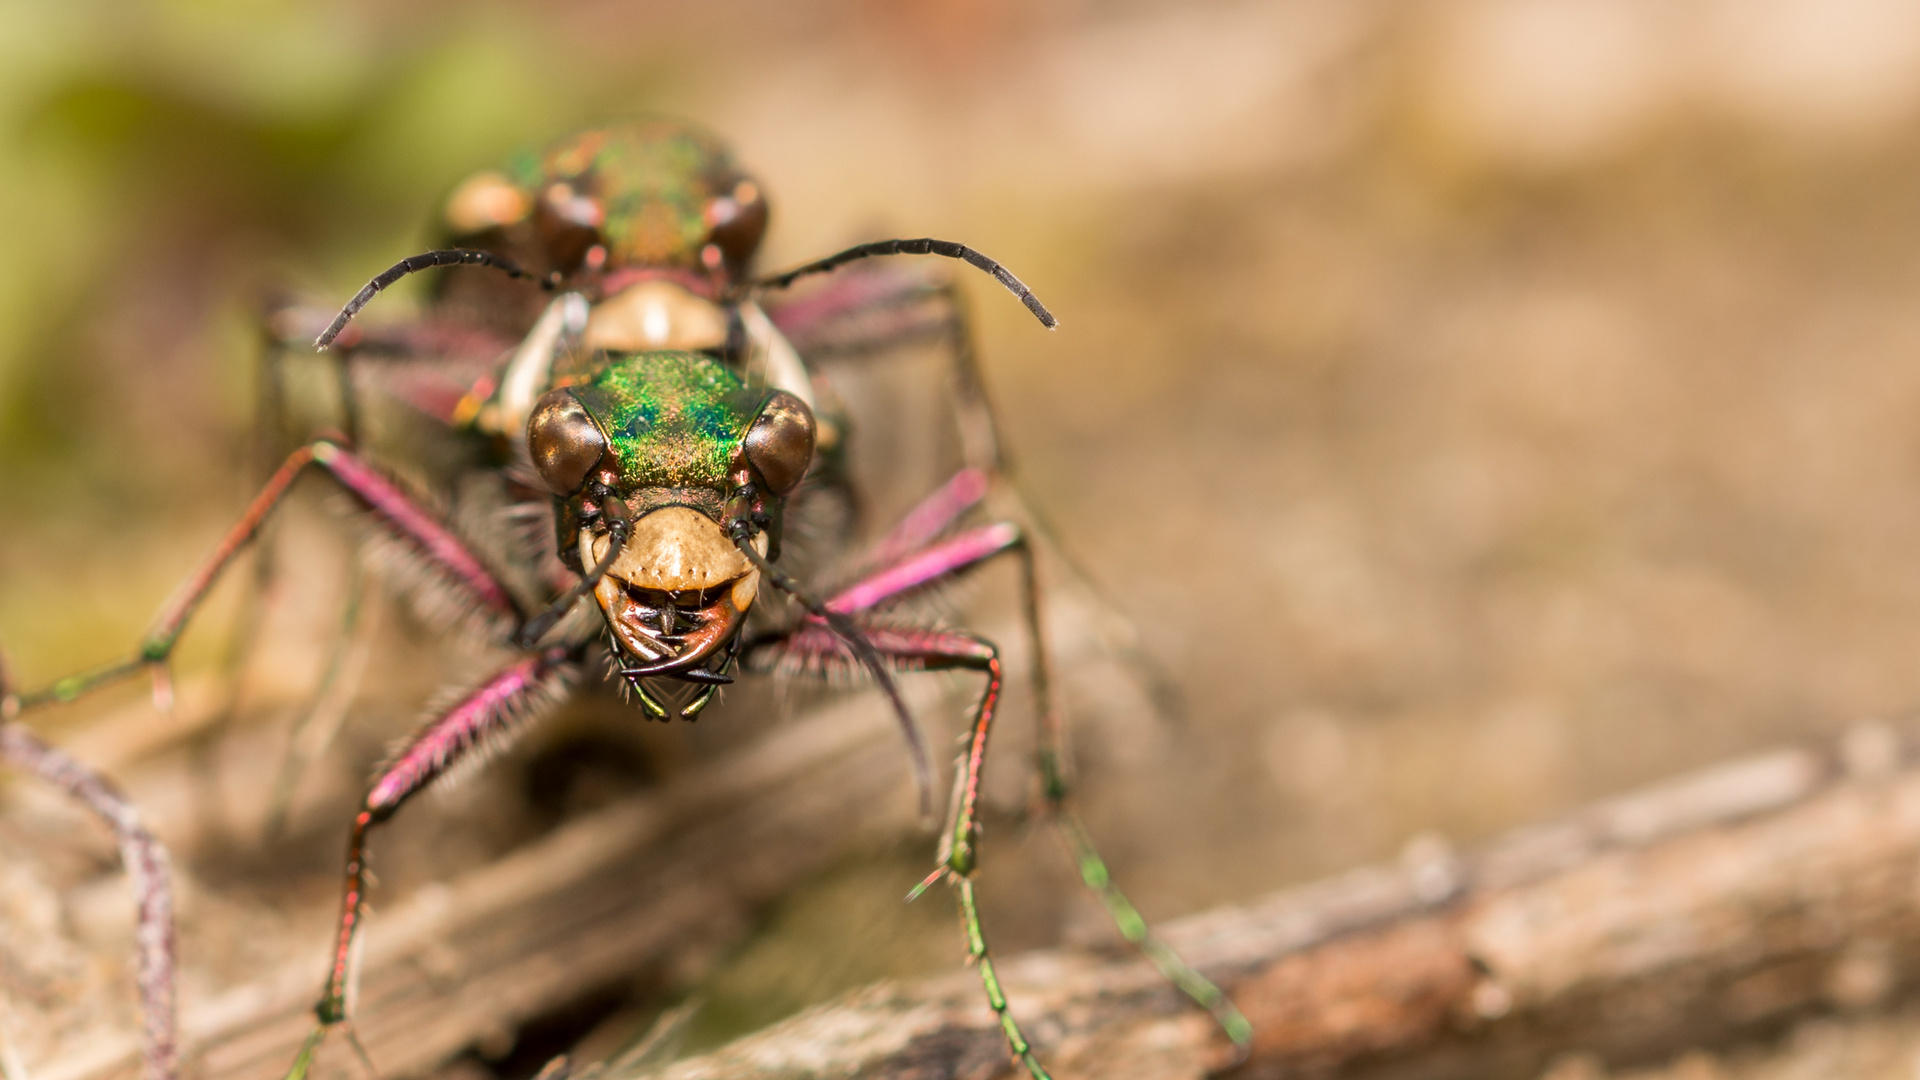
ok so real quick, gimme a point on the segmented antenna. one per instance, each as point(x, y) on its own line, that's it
point(923, 246)
point(426, 260)
point(619, 526)
point(844, 628)
point(530, 634)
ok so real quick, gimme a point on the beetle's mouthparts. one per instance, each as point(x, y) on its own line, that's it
point(677, 594)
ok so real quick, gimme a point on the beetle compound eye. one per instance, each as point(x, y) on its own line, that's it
point(569, 225)
point(737, 220)
point(780, 442)
point(565, 442)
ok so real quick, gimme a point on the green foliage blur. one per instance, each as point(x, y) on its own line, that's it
point(166, 165)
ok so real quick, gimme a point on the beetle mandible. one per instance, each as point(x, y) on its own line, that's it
point(665, 420)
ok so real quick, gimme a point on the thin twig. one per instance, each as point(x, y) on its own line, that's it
point(147, 872)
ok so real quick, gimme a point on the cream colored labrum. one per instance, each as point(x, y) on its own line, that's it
point(678, 549)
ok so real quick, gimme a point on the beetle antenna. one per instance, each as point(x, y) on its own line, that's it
point(426, 260)
point(923, 246)
point(847, 631)
point(530, 634)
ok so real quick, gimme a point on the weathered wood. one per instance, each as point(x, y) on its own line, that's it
point(1687, 913)
point(582, 908)
point(1690, 912)
point(677, 872)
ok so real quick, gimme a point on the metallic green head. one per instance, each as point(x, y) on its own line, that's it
point(646, 196)
point(673, 420)
point(682, 450)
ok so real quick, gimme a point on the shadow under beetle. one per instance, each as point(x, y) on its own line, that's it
point(666, 420)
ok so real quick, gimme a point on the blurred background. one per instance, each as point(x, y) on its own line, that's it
point(1480, 406)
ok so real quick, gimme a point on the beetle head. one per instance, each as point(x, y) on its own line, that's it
point(680, 446)
point(599, 210)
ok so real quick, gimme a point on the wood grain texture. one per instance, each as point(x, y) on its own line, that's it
point(581, 908)
point(1689, 913)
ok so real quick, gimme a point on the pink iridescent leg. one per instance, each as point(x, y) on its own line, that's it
point(862, 308)
point(147, 873)
point(879, 307)
point(423, 536)
point(933, 516)
point(490, 713)
point(431, 365)
point(813, 647)
point(916, 568)
point(434, 367)
point(906, 574)
point(396, 512)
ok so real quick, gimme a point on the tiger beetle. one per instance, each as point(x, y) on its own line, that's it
point(666, 419)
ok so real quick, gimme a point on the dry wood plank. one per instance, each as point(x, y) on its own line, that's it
point(1689, 913)
point(586, 906)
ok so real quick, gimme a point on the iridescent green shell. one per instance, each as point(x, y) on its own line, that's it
point(653, 180)
point(672, 419)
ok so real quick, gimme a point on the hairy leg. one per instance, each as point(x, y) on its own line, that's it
point(869, 311)
point(396, 512)
point(398, 515)
point(942, 561)
point(813, 646)
point(431, 367)
point(487, 715)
